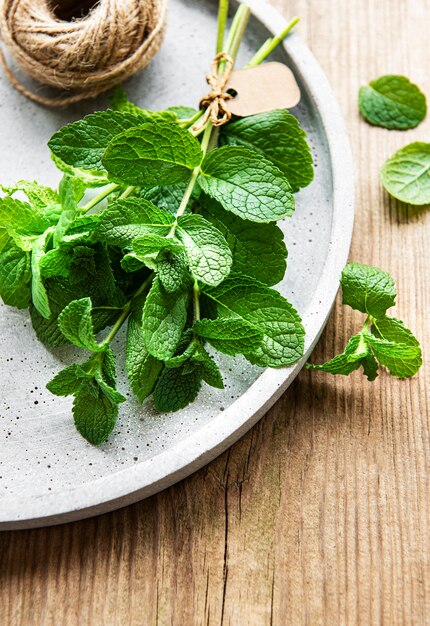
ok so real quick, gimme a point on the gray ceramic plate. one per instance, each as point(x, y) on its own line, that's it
point(48, 473)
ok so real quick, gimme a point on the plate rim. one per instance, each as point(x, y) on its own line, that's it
point(185, 457)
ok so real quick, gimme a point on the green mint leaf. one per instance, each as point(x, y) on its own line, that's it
point(171, 270)
point(168, 197)
point(185, 350)
point(95, 410)
point(406, 175)
point(15, 276)
point(71, 191)
point(22, 217)
point(68, 381)
point(395, 347)
point(266, 310)
point(393, 102)
point(76, 324)
point(258, 249)
point(370, 367)
point(175, 389)
point(246, 184)
point(38, 195)
point(156, 153)
point(367, 289)
point(126, 220)
point(119, 101)
point(164, 318)
point(38, 291)
point(142, 368)
point(181, 112)
point(278, 137)
point(355, 354)
point(90, 178)
point(153, 243)
point(230, 335)
point(56, 262)
point(83, 143)
point(209, 256)
point(207, 368)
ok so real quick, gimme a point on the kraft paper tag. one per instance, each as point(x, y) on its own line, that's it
point(263, 88)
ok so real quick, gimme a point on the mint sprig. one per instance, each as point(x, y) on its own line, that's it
point(382, 340)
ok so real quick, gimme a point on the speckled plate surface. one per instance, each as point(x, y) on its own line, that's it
point(48, 473)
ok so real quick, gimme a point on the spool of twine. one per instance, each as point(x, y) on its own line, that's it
point(81, 47)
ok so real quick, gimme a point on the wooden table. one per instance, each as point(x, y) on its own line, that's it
point(321, 513)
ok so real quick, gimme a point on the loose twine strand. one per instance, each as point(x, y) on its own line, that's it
point(214, 102)
point(85, 56)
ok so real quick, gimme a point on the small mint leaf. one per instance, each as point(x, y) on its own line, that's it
point(367, 289)
point(76, 324)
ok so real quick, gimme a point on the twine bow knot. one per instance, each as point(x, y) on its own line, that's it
point(214, 102)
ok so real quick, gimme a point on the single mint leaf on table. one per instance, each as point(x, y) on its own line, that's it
point(393, 102)
point(246, 184)
point(265, 309)
point(164, 318)
point(175, 389)
point(278, 137)
point(83, 143)
point(258, 249)
point(406, 175)
point(208, 254)
point(76, 324)
point(395, 347)
point(354, 356)
point(367, 289)
point(157, 153)
point(126, 220)
point(229, 335)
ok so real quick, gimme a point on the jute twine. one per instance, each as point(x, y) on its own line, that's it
point(84, 56)
point(214, 102)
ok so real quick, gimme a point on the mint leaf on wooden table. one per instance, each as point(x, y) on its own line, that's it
point(246, 184)
point(393, 102)
point(406, 175)
point(278, 137)
point(382, 339)
point(156, 153)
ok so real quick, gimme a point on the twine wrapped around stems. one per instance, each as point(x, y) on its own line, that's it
point(83, 56)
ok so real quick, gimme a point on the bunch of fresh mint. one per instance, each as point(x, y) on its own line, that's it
point(180, 244)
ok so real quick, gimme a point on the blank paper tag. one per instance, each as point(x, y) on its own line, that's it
point(263, 88)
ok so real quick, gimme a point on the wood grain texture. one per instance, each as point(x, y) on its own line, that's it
point(321, 514)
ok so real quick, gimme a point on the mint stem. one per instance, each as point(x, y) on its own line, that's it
point(222, 20)
point(126, 311)
point(196, 293)
point(270, 44)
point(101, 196)
point(237, 31)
